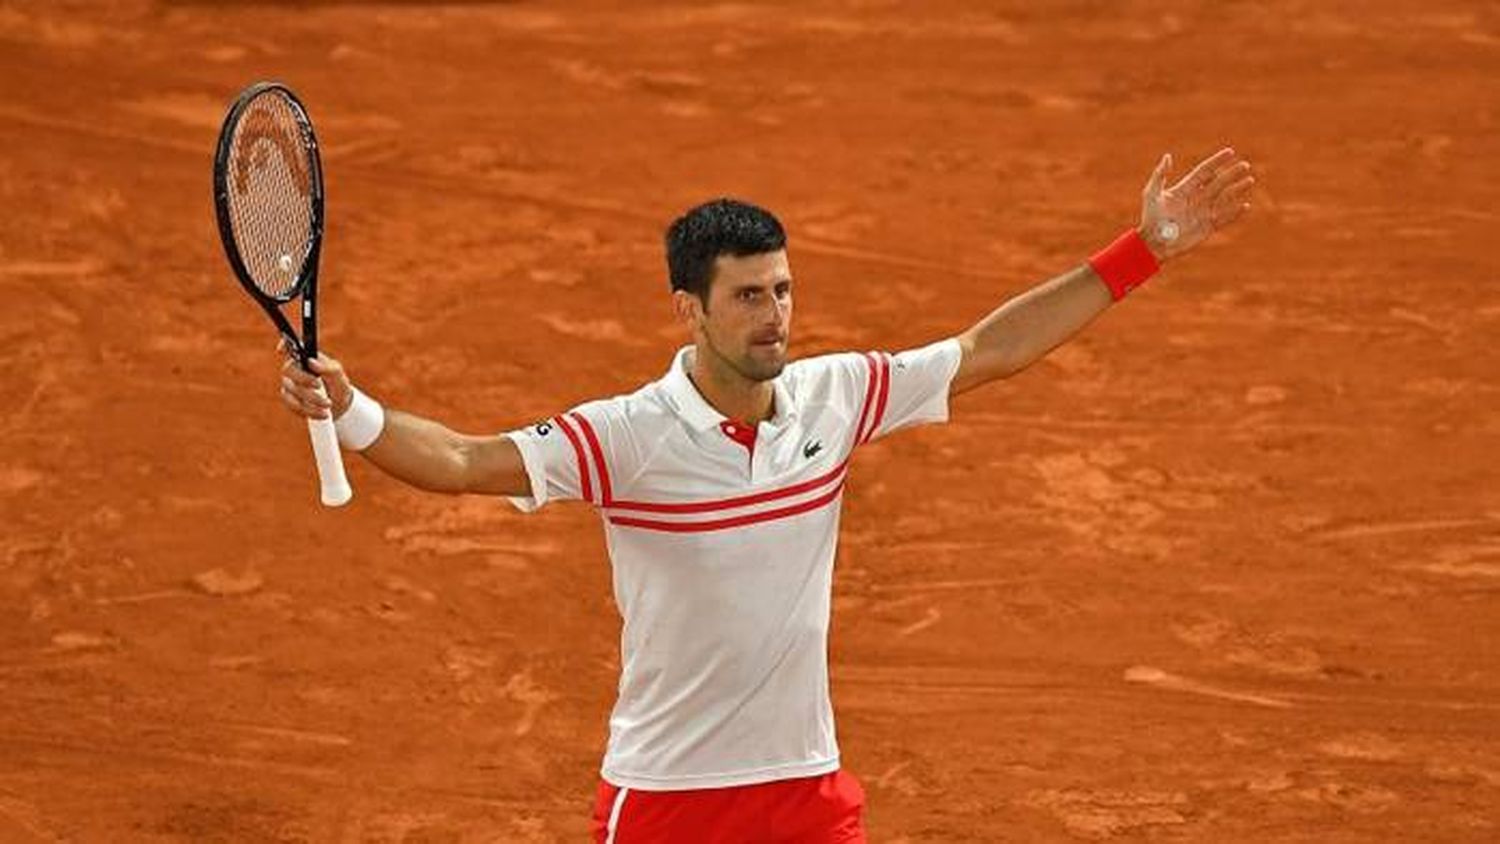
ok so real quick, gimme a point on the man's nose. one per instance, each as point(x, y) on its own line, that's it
point(780, 309)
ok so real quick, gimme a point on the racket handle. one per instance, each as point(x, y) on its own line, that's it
point(336, 491)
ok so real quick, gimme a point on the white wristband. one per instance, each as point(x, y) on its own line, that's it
point(361, 424)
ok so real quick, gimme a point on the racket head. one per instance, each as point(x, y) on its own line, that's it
point(268, 194)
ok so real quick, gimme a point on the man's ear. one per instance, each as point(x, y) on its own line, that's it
point(687, 308)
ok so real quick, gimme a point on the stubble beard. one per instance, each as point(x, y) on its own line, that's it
point(745, 365)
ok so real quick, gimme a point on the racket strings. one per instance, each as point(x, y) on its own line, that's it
point(270, 173)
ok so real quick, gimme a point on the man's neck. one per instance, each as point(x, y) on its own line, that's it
point(730, 393)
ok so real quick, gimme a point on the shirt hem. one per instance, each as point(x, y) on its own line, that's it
point(755, 776)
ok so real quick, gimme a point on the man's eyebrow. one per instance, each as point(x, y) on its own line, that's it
point(759, 285)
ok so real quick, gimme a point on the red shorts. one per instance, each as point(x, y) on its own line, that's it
point(810, 810)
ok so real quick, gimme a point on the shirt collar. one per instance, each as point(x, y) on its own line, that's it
point(699, 413)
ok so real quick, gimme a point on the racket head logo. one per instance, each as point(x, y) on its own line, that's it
point(262, 132)
point(268, 193)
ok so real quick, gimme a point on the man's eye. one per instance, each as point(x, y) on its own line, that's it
point(747, 295)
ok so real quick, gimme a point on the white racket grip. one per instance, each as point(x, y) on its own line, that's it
point(325, 444)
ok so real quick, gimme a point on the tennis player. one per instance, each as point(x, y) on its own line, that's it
point(719, 487)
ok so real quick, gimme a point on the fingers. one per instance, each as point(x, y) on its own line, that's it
point(292, 370)
point(325, 365)
point(1158, 176)
point(1227, 203)
point(1228, 210)
point(303, 392)
point(1230, 175)
point(305, 401)
point(1239, 191)
point(1203, 175)
point(336, 380)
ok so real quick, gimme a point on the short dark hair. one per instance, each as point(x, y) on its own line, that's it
point(720, 227)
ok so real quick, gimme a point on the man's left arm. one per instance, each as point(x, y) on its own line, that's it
point(1173, 221)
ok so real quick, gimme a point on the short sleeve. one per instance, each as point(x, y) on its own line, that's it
point(568, 457)
point(911, 387)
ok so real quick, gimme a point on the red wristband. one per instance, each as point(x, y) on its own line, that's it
point(1125, 264)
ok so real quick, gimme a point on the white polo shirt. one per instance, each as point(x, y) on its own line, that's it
point(723, 556)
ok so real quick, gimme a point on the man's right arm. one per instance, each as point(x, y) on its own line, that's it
point(417, 451)
point(430, 456)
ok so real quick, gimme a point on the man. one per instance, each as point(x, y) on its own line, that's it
point(720, 488)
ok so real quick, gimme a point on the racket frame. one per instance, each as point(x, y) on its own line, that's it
point(335, 484)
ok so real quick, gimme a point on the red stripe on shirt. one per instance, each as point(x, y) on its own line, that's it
point(885, 393)
point(583, 467)
point(732, 522)
point(606, 498)
point(864, 410)
point(731, 503)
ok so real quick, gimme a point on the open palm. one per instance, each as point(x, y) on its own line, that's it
point(1210, 197)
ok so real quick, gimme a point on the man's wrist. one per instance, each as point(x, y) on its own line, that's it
point(361, 424)
point(1154, 243)
point(1125, 264)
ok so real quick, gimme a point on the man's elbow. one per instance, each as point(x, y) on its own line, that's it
point(985, 363)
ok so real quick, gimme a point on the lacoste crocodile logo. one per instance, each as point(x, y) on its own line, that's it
point(812, 448)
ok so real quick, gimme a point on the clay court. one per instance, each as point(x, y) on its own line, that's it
point(1224, 568)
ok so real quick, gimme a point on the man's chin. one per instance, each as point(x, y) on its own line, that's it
point(772, 371)
point(763, 365)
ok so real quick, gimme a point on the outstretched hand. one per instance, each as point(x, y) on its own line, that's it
point(1210, 197)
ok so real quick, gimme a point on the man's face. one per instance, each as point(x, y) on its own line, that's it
point(749, 316)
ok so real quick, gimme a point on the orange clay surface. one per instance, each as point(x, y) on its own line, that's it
point(1226, 567)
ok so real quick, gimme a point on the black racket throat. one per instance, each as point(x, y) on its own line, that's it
point(305, 347)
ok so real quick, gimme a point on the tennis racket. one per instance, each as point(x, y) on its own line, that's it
point(268, 196)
